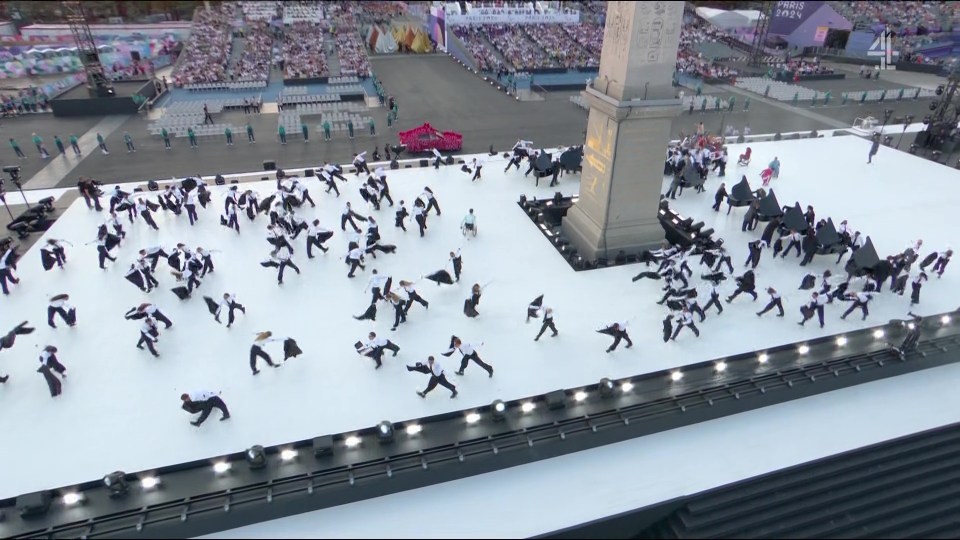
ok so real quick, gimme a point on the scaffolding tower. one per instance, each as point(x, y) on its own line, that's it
point(757, 49)
point(97, 82)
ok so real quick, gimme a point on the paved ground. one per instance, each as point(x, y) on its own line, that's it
point(429, 88)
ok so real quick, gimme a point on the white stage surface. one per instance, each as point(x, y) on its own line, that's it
point(118, 402)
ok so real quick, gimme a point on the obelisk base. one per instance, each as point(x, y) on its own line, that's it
point(592, 241)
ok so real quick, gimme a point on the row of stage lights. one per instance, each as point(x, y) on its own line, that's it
point(385, 431)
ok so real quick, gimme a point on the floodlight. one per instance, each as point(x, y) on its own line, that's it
point(606, 387)
point(472, 418)
point(72, 498)
point(385, 432)
point(803, 349)
point(221, 467)
point(527, 406)
point(878, 334)
point(763, 358)
point(580, 395)
point(841, 341)
point(116, 482)
point(627, 386)
point(414, 429)
point(720, 366)
point(288, 454)
point(256, 457)
point(149, 482)
point(352, 441)
point(676, 376)
point(945, 319)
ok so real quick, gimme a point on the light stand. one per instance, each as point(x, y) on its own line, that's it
point(887, 113)
point(14, 172)
point(907, 120)
point(3, 199)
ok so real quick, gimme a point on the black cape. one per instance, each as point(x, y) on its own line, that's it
point(8, 340)
point(49, 260)
point(808, 282)
point(927, 261)
point(469, 309)
point(291, 349)
point(212, 305)
point(135, 277)
point(440, 276)
point(270, 264)
point(610, 331)
point(182, 292)
point(535, 306)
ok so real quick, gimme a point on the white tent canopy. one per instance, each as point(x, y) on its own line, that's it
point(742, 18)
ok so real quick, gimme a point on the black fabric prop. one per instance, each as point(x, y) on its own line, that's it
point(291, 349)
point(534, 307)
point(266, 203)
point(928, 260)
point(136, 278)
point(47, 259)
point(58, 297)
point(174, 261)
point(21, 329)
point(808, 282)
point(111, 241)
point(610, 331)
point(188, 184)
point(572, 159)
point(469, 309)
point(72, 316)
point(440, 276)
point(270, 264)
point(769, 207)
point(211, 305)
point(181, 292)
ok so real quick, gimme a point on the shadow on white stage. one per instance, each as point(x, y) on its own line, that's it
point(120, 407)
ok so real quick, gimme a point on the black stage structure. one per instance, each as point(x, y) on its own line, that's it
point(79, 102)
point(201, 497)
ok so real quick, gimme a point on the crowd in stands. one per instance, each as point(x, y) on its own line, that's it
point(204, 58)
point(472, 37)
point(254, 64)
point(916, 24)
point(588, 35)
point(558, 45)
point(375, 12)
point(693, 64)
point(260, 10)
point(350, 47)
point(303, 53)
point(516, 49)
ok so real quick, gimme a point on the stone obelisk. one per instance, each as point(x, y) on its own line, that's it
point(632, 103)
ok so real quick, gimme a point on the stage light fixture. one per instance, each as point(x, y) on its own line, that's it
point(498, 409)
point(803, 349)
point(939, 90)
point(72, 498)
point(116, 482)
point(527, 406)
point(720, 366)
point(352, 441)
point(933, 105)
point(221, 467)
point(945, 319)
point(841, 341)
point(763, 358)
point(878, 334)
point(414, 429)
point(256, 457)
point(149, 482)
point(472, 418)
point(322, 446)
point(627, 386)
point(385, 432)
point(288, 454)
point(676, 376)
point(580, 396)
point(606, 387)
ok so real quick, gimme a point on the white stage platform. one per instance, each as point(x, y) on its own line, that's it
point(119, 401)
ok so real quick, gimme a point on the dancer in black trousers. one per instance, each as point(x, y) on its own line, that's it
point(471, 302)
point(102, 253)
point(48, 365)
point(435, 370)
point(148, 310)
point(685, 321)
point(420, 216)
point(714, 299)
point(204, 402)
point(316, 236)
point(412, 295)
point(374, 347)
point(360, 162)
point(355, 259)
point(815, 306)
point(53, 253)
point(331, 183)
point(399, 309)
point(691, 302)
point(429, 200)
point(456, 259)
point(348, 215)
point(143, 209)
point(619, 331)
point(400, 216)
point(547, 323)
point(256, 350)
point(148, 335)
point(469, 352)
point(229, 303)
point(915, 287)
point(745, 284)
point(283, 255)
point(860, 300)
point(775, 300)
point(60, 305)
point(378, 286)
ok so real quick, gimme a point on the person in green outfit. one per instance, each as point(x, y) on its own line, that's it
point(250, 139)
point(128, 140)
point(373, 128)
point(389, 120)
point(326, 130)
point(102, 144)
point(306, 133)
point(74, 144)
point(732, 103)
point(59, 143)
point(38, 142)
point(350, 128)
point(16, 148)
point(229, 134)
point(282, 131)
point(192, 136)
point(166, 138)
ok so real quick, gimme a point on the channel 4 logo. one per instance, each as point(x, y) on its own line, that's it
point(883, 47)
